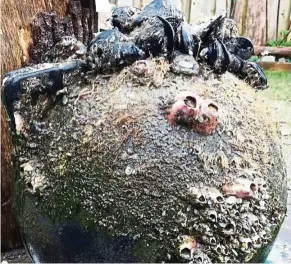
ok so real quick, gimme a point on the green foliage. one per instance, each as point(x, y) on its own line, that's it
point(253, 58)
point(281, 41)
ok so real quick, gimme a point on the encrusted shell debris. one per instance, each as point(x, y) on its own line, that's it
point(187, 247)
point(231, 200)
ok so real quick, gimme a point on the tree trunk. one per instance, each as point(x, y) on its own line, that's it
point(15, 41)
point(9, 235)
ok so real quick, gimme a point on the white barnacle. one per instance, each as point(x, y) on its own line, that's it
point(19, 122)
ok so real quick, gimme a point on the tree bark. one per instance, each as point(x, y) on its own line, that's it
point(15, 18)
point(9, 232)
point(15, 40)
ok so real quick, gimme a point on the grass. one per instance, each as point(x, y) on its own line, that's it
point(279, 94)
point(279, 86)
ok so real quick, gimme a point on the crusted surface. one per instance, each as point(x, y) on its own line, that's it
point(108, 158)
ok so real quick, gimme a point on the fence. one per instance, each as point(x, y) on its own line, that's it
point(260, 20)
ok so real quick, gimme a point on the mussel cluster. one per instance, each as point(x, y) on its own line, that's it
point(158, 30)
point(161, 30)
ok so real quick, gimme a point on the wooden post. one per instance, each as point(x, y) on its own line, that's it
point(289, 36)
point(256, 21)
point(228, 8)
point(202, 10)
point(221, 8)
point(240, 15)
point(186, 9)
point(284, 15)
point(125, 3)
point(251, 18)
point(272, 19)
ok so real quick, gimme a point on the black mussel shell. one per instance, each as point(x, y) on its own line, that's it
point(176, 23)
point(169, 32)
point(187, 41)
point(152, 9)
point(209, 33)
point(236, 64)
point(216, 56)
point(155, 36)
point(227, 29)
point(103, 35)
point(162, 9)
point(123, 18)
point(254, 75)
point(111, 49)
point(240, 46)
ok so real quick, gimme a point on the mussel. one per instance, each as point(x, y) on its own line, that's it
point(240, 46)
point(124, 17)
point(111, 49)
point(217, 56)
point(154, 36)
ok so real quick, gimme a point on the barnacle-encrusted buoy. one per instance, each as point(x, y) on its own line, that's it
point(119, 167)
point(129, 167)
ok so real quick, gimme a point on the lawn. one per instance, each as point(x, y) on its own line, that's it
point(279, 97)
point(279, 86)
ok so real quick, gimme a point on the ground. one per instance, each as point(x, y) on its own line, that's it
point(279, 97)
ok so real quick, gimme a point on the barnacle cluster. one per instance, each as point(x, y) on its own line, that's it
point(232, 220)
point(193, 112)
